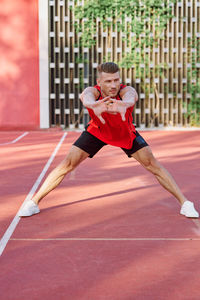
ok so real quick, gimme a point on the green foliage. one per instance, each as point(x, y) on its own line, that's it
point(143, 15)
point(146, 27)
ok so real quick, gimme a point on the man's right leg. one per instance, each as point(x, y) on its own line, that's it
point(72, 160)
point(85, 146)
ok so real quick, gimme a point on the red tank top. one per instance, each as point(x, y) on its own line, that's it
point(115, 131)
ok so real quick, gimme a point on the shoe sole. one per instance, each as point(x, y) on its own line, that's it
point(24, 216)
point(188, 216)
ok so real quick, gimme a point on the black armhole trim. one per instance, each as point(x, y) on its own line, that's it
point(99, 95)
point(121, 88)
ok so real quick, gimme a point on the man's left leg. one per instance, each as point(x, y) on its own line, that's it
point(146, 158)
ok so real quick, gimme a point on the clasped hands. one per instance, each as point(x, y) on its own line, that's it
point(109, 105)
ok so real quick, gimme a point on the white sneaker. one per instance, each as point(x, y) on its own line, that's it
point(188, 210)
point(29, 208)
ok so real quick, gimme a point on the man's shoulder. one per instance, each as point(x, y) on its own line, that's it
point(88, 91)
point(97, 87)
point(95, 90)
point(122, 86)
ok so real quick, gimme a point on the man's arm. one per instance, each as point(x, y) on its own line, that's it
point(129, 96)
point(89, 96)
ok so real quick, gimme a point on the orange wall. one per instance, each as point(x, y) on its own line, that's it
point(19, 64)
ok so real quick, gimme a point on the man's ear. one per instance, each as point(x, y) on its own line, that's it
point(98, 81)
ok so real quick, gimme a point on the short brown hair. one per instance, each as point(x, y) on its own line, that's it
point(108, 67)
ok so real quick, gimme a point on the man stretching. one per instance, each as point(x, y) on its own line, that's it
point(110, 105)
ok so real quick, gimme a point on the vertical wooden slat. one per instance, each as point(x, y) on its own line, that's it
point(184, 60)
point(180, 64)
point(188, 45)
point(175, 69)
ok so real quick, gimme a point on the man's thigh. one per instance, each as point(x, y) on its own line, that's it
point(89, 143)
point(144, 156)
point(138, 143)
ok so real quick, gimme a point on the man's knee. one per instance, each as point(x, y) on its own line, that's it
point(73, 159)
point(67, 165)
point(152, 164)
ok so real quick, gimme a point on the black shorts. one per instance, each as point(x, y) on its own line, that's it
point(91, 144)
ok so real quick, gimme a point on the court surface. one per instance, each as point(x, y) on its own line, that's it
point(108, 232)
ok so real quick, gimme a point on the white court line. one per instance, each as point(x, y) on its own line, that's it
point(106, 239)
point(16, 140)
point(15, 221)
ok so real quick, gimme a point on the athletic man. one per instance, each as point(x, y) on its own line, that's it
point(110, 105)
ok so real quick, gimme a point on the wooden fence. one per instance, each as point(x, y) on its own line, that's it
point(166, 106)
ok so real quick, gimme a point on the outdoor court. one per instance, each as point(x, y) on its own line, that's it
point(108, 232)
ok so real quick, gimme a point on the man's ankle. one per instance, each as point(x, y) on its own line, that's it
point(35, 201)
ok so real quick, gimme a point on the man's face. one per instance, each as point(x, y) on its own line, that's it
point(109, 83)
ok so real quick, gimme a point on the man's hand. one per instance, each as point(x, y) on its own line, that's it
point(99, 107)
point(116, 106)
point(111, 106)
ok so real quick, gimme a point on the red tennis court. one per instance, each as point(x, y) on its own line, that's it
point(108, 232)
